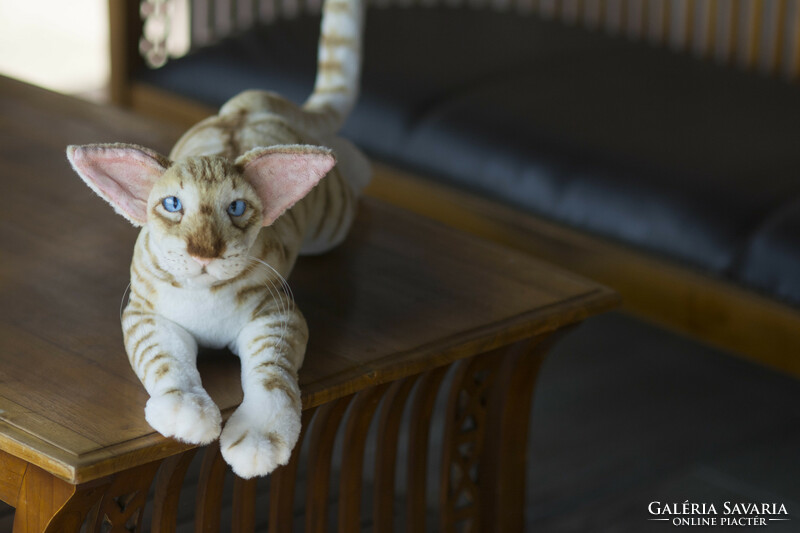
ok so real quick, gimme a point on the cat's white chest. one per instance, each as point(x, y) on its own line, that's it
point(213, 318)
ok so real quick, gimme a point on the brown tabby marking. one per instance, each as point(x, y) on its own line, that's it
point(244, 293)
point(330, 67)
point(267, 364)
point(278, 383)
point(337, 7)
point(239, 440)
point(144, 338)
point(162, 371)
point(150, 363)
point(334, 41)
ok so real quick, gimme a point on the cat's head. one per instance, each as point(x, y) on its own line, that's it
point(203, 213)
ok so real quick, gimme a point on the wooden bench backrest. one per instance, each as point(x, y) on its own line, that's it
point(754, 34)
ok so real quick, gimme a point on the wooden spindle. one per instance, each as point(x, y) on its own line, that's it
point(168, 490)
point(751, 35)
point(421, 410)
point(777, 37)
point(243, 519)
point(355, 440)
point(209, 491)
point(199, 23)
point(282, 482)
point(389, 419)
point(706, 14)
point(323, 435)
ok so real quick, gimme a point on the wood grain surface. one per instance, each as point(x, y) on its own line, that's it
point(403, 295)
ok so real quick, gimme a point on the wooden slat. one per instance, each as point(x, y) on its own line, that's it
point(777, 37)
point(355, 440)
point(245, 14)
point(417, 468)
point(244, 505)
point(389, 420)
point(665, 21)
point(706, 27)
point(323, 435)
point(200, 23)
point(168, 491)
point(209, 491)
point(282, 483)
point(592, 13)
point(688, 22)
point(223, 22)
point(502, 464)
point(636, 16)
point(267, 10)
point(751, 36)
point(728, 47)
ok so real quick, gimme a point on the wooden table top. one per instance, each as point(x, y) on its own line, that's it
point(404, 294)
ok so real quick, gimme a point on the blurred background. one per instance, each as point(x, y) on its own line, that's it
point(59, 45)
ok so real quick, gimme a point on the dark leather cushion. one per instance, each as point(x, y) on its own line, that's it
point(651, 148)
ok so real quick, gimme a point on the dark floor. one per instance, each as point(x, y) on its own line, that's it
point(626, 414)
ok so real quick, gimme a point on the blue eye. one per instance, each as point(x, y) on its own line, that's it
point(172, 204)
point(237, 207)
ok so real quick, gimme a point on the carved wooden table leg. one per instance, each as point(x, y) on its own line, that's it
point(44, 499)
point(48, 504)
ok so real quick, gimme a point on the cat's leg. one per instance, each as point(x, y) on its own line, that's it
point(163, 355)
point(262, 432)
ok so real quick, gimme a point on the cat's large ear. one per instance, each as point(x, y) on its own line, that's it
point(122, 174)
point(282, 175)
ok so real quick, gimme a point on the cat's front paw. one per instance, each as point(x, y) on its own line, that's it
point(254, 443)
point(189, 416)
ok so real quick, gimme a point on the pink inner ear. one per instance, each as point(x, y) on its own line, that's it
point(282, 178)
point(122, 175)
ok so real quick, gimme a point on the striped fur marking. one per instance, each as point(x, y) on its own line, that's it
point(335, 7)
point(239, 440)
point(333, 40)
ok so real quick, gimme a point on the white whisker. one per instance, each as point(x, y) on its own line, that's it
point(122, 301)
point(286, 305)
point(283, 281)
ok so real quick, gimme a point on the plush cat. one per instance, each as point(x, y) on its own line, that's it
point(223, 219)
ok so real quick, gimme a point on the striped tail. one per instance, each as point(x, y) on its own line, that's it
point(338, 62)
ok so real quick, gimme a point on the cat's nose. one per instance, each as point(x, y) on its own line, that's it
point(202, 260)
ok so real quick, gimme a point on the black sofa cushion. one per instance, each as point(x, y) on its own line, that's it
point(651, 148)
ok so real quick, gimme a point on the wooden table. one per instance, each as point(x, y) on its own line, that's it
point(403, 303)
